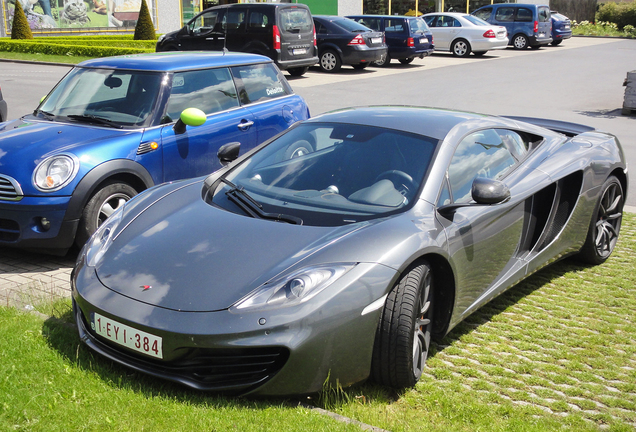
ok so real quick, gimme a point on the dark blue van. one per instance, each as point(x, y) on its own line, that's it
point(406, 37)
point(527, 24)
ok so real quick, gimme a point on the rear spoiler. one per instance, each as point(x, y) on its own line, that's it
point(566, 128)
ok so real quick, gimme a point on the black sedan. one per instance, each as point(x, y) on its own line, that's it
point(342, 41)
point(3, 108)
point(286, 269)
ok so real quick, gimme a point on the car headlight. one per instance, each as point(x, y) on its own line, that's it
point(292, 289)
point(55, 172)
point(101, 240)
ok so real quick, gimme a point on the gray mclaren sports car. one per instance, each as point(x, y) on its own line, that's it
point(339, 248)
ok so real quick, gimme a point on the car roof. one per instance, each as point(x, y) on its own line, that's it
point(175, 61)
point(383, 16)
point(431, 122)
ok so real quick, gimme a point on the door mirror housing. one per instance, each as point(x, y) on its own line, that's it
point(190, 117)
point(489, 191)
point(228, 152)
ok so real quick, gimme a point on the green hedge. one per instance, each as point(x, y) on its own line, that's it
point(142, 44)
point(622, 14)
point(70, 50)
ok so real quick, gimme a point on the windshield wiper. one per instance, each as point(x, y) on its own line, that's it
point(253, 208)
point(48, 115)
point(94, 119)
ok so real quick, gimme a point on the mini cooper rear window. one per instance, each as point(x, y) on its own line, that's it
point(259, 82)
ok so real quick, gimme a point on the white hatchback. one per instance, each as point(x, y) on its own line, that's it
point(462, 34)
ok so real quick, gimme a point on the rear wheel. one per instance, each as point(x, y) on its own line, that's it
point(403, 336)
point(557, 42)
point(461, 48)
point(330, 61)
point(606, 223)
point(384, 61)
point(299, 71)
point(102, 204)
point(407, 60)
point(520, 42)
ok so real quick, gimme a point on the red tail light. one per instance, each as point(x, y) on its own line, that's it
point(410, 42)
point(277, 37)
point(536, 26)
point(315, 40)
point(357, 41)
point(490, 34)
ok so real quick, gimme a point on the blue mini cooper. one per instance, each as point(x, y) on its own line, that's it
point(113, 127)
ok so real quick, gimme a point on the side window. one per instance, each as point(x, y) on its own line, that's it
point(505, 14)
point(320, 29)
point(444, 195)
point(210, 90)
point(430, 20)
point(484, 13)
point(260, 82)
point(517, 145)
point(544, 14)
point(204, 23)
point(258, 22)
point(524, 15)
point(372, 23)
point(392, 25)
point(234, 19)
point(480, 154)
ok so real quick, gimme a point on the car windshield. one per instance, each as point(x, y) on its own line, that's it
point(351, 25)
point(104, 96)
point(476, 21)
point(295, 20)
point(330, 174)
point(418, 25)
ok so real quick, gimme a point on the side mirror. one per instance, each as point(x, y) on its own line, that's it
point(489, 191)
point(191, 117)
point(228, 152)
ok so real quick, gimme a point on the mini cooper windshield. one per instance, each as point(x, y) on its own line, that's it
point(105, 97)
point(328, 174)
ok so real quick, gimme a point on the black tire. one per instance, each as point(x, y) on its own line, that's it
point(403, 336)
point(605, 226)
point(520, 42)
point(360, 66)
point(557, 42)
point(535, 47)
point(100, 206)
point(330, 61)
point(479, 53)
point(461, 48)
point(407, 60)
point(299, 71)
point(384, 61)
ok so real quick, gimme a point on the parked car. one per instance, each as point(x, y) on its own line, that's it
point(113, 127)
point(281, 31)
point(3, 108)
point(345, 41)
point(274, 275)
point(561, 28)
point(527, 24)
point(406, 37)
point(462, 34)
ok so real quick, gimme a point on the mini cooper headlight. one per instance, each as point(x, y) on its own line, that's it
point(101, 240)
point(293, 289)
point(55, 172)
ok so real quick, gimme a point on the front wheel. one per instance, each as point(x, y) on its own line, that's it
point(407, 60)
point(103, 203)
point(330, 61)
point(605, 225)
point(520, 42)
point(403, 336)
point(461, 48)
point(299, 71)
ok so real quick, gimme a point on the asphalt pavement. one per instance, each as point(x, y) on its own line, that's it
point(578, 81)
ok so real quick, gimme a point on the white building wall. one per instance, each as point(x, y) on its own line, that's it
point(349, 7)
point(169, 16)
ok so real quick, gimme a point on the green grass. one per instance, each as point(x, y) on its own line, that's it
point(556, 352)
point(607, 29)
point(42, 57)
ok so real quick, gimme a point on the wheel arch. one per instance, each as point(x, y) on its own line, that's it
point(123, 170)
point(329, 47)
point(619, 173)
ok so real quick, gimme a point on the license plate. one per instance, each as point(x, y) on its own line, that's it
point(567, 27)
point(376, 40)
point(423, 40)
point(127, 336)
point(541, 35)
point(299, 51)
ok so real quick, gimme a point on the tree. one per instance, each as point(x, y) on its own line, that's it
point(145, 29)
point(20, 28)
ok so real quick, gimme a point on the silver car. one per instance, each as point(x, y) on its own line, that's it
point(462, 34)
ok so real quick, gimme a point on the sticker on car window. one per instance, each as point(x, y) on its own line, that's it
point(275, 91)
point(178, 81)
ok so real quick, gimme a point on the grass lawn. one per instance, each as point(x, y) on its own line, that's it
point(556, 352)
point(42, 57)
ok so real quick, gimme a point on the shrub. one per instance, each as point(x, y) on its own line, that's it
point(20, 28)
point(145, 29)
point(622, 14)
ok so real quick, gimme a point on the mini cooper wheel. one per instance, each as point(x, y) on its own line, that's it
point(403, 336)
point(520, 42)
point(102, 204)
point(330, 61)
point(461, 48)
point(605, 225)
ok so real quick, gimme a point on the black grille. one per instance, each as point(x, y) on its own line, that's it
point(8, 189)
point(9, 230)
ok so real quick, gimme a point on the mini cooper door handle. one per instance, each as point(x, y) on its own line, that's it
point(244, 125)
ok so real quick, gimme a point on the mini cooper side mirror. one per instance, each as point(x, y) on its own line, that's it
point(228, 152)
point(489, 191)
point(191, 117)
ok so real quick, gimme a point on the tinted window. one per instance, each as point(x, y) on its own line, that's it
point(505, 14)
point(204, 22)
point(258, 22)
point(429, 20)
point(260, 82)
point(350, 25)
point(372, 23)
point(394, 25)
point(210, 90)
point(447, 21)
point(544, 14)
point(418, 25)
point(295, 20)
point(234, 18)
point(524, 15)
point(320, 29)
point(480, 154)
point(484, 13)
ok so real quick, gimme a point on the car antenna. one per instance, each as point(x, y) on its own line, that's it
point(225, 40)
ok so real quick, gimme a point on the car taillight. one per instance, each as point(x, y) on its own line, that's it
point(410, 42)
point(357, 41)
point(315, 41)
point(536, 26)
point(490, 34)
point(277, 38)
